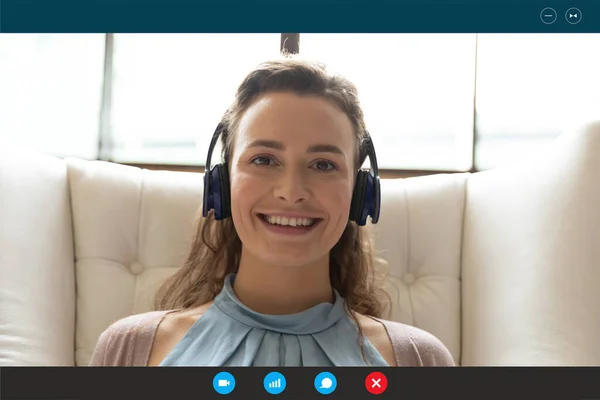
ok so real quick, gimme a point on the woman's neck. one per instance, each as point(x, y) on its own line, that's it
point(279, 290)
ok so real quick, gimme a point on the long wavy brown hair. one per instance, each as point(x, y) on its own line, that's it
point(216, 247)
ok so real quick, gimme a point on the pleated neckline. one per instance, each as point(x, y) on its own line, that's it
point(313, 320)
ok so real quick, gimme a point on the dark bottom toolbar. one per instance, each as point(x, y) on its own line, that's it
point(90, 383)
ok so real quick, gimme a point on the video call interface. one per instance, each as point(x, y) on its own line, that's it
point(476, 307)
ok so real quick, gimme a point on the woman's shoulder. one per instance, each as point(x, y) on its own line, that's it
point(416, 347)
point(127, 341)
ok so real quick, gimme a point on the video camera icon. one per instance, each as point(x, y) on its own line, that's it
point(223, 383)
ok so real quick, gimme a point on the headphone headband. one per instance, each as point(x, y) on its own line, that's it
point(213, 143)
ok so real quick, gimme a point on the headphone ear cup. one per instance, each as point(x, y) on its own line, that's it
point(219, 191)
point(215, 192)
point(225, 192)
point(207, 198)
point(358, 197)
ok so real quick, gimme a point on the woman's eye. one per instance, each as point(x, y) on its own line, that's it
point(325, 166)
point(262, 160)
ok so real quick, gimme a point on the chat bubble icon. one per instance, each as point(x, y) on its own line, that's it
point(326, 383)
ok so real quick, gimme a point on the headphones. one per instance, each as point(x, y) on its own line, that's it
point(366, 196)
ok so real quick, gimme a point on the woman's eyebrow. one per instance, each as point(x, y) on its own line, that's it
point(325, 148)
point(317, 148)
point(267, 143)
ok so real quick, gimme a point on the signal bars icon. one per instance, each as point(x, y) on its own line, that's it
point(275, 384)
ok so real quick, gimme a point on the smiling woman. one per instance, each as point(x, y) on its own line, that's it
point(301, 178)
point(281, 270)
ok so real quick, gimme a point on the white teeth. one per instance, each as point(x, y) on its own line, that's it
point(289, 221)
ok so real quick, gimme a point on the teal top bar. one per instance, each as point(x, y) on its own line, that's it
point(308, 16)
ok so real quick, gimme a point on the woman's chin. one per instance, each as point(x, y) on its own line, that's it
point(289, 258)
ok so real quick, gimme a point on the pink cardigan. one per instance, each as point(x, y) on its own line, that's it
point(128, 342)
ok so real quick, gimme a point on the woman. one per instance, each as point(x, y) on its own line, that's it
point(278, 274)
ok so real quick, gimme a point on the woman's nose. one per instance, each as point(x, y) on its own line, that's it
point(292, 187)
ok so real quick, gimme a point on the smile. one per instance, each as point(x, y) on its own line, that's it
point(288, 221)
point(289, 225)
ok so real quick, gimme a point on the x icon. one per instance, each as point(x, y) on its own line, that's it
point(376, 383)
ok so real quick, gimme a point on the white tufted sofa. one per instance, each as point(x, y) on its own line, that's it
point(503, 266)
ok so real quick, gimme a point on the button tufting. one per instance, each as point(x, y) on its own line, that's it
point(136, 268)
point(408, 278)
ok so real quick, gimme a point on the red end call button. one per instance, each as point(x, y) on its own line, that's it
point(376, 383)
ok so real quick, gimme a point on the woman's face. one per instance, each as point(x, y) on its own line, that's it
point(292, 176)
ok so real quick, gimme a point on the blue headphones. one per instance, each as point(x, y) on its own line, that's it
point(366, 197)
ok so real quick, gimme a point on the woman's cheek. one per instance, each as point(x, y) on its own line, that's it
point(242, 191)
point(338, 195)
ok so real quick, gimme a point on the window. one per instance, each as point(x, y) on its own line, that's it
point(416, 91)
point(170, 91)
point(50, 92)
point(437, 102)
point(530, 88)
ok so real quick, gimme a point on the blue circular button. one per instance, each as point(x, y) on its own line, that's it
point(325, 383)
point(224, 383)
point(274, 383)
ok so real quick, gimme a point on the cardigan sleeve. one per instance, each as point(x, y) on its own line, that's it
point(127, 342)
point(416, 347)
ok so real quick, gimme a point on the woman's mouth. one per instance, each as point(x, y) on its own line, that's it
point(289, 225)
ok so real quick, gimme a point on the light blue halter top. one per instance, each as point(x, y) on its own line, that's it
point(231, 334)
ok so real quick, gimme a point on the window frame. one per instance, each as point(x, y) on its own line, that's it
point(289, 43)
